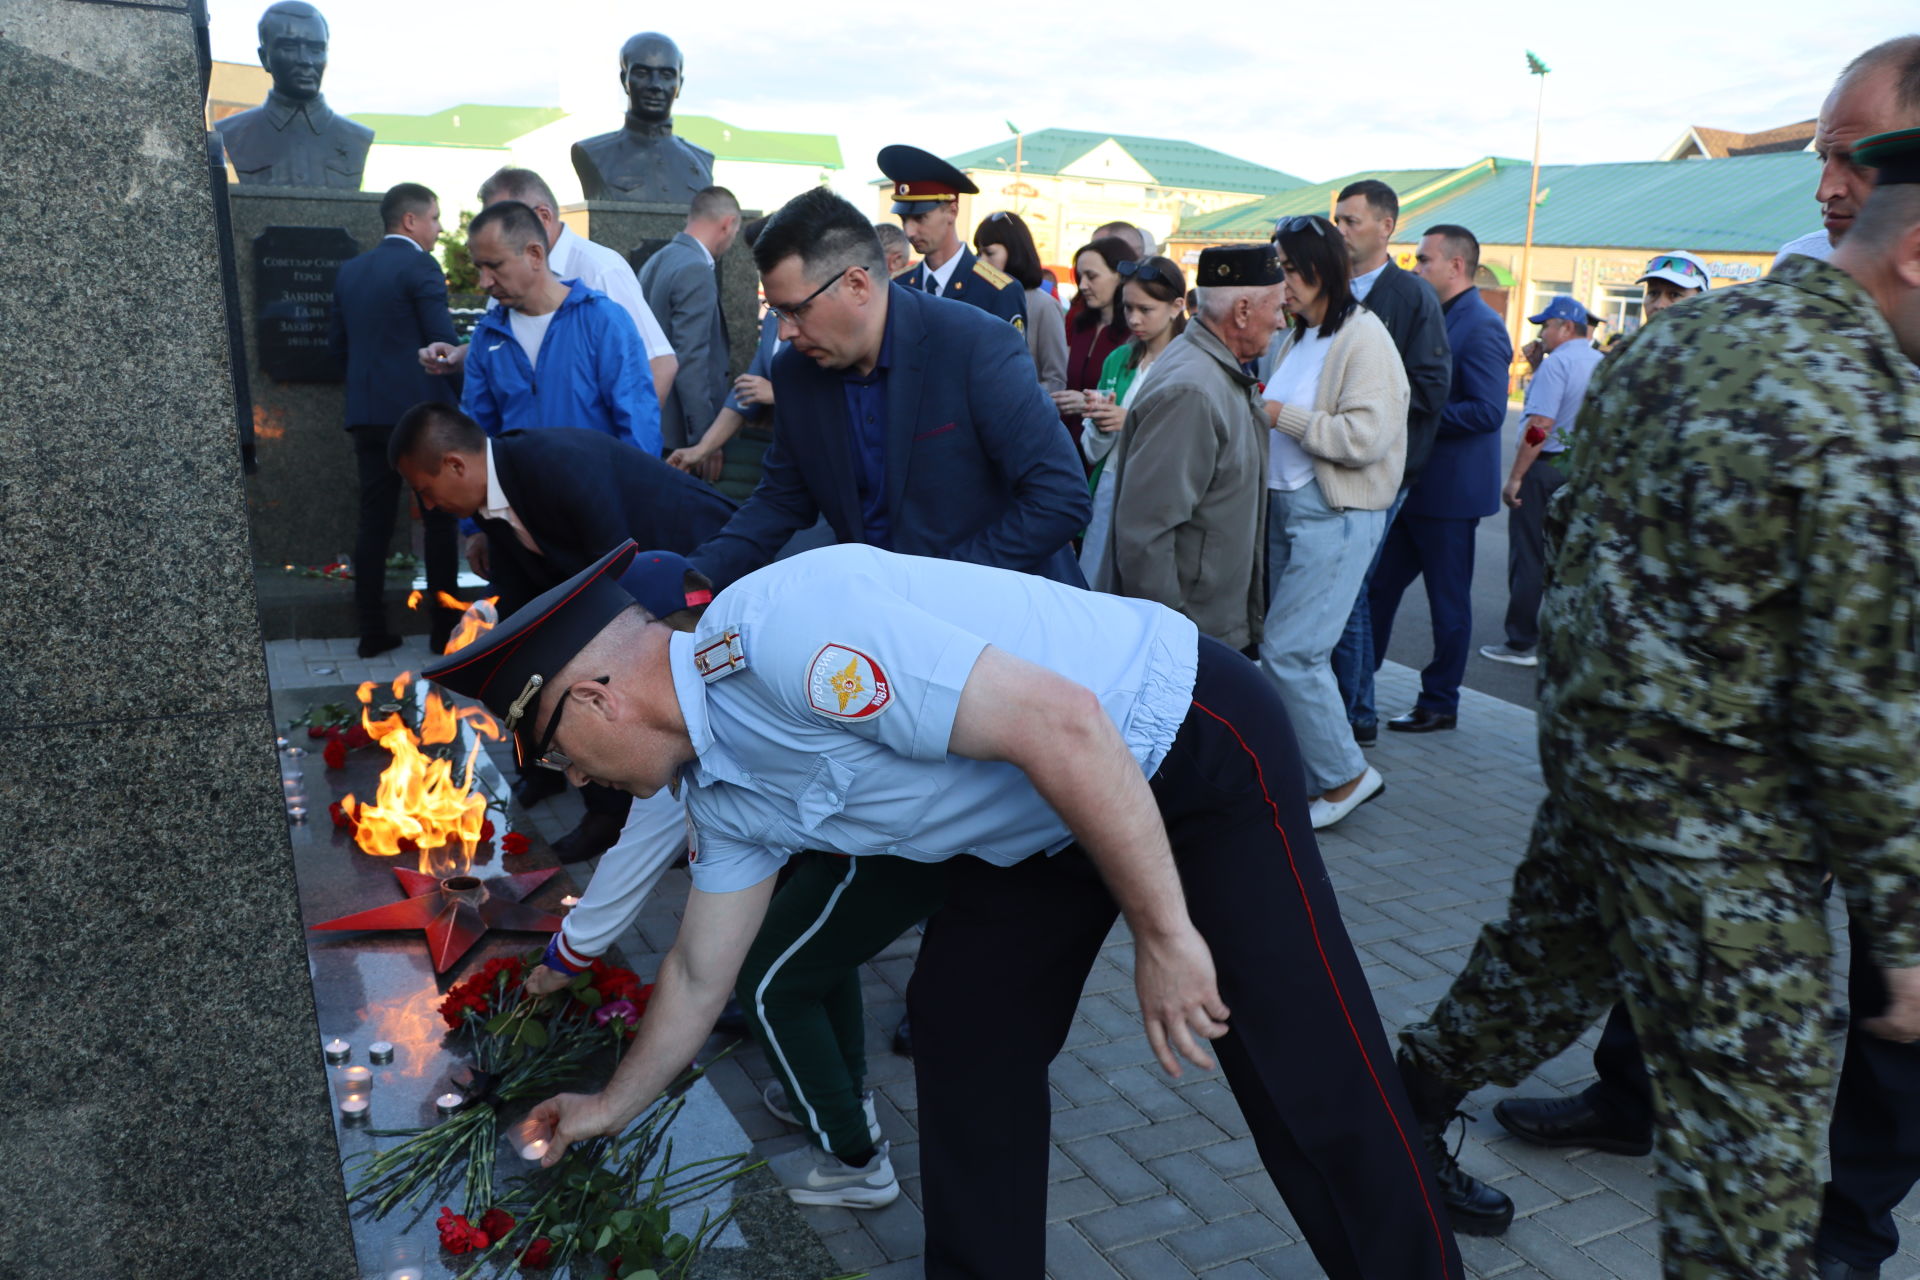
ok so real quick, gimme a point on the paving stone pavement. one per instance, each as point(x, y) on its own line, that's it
point(1152, 1178)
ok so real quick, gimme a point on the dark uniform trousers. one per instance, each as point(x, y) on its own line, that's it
point(1527, 551)
point(1003, 963)
point(1874, 1137)
point(379, 500)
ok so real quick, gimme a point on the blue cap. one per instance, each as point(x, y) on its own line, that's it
point(657, 581)
point(1563, 307)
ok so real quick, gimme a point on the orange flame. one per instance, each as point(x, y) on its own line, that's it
point(418, 799)
point(413, 598)
point(481, 617)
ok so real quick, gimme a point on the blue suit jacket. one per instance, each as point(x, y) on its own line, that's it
point(977, 467)
point(387, 304)
point(976, 282)
point(1462, 477)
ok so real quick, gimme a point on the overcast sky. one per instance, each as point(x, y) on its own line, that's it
point(1320, 92)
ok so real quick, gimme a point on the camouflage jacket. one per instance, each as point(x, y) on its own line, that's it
point(1729, 665)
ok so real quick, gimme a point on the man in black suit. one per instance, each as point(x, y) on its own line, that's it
point(387, 304)
point(1367, 213)
point(550, 503)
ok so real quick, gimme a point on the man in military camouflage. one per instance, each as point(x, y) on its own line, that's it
point(1729, 709)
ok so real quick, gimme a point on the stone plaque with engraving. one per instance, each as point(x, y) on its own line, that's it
point(293, 272)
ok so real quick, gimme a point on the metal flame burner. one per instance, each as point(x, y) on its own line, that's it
point(454, 912)
point(464, 889)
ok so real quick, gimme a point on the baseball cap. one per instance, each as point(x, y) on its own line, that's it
point(1679, 268)
point(1563, 307)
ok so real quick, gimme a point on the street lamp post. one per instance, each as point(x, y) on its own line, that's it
point(1535, 67)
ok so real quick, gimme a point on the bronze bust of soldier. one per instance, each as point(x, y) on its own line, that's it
point(642, 161)
point(294, 139)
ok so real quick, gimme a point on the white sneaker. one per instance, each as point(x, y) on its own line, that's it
point(813, 1176)
point(1326, 812)
point(1501, 653)
point(775, 1096)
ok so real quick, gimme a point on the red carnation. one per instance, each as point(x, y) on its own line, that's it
point(316, 731)
point(496, 1222)
point(336, 754)
point(486, 829)
point(341, 818)
point(457, 1235)
point(358, 736)
point(537, 1254)
point(513, 842)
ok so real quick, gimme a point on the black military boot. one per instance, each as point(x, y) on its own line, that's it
point(1476, 1208)
point(1828, 1267)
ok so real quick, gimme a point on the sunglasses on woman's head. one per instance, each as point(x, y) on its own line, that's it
point(1142, 271)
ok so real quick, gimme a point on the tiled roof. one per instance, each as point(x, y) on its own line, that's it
point(1254, 220)
point(471, 124)
point(1184, 165)
point(730, 142)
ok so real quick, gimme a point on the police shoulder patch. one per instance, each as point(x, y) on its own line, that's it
point(991, 274)
point(845, 684)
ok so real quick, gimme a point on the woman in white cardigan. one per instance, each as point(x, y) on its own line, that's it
point(1336, 398)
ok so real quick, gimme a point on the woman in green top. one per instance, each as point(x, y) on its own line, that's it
point(1153, 298)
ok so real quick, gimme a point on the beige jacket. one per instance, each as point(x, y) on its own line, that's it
point(1190, 492)
point(1356, 429)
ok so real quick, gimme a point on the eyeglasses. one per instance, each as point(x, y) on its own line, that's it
point(1142, 270)
point(1685, 268)
point(1301, 222)
point(792, 314)
point(546, 756)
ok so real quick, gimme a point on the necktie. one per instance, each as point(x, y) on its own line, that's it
point(933, 282)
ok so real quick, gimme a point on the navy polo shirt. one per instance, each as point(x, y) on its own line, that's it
point(867, 425)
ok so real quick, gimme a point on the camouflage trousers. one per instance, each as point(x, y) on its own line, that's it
point(1723, 964)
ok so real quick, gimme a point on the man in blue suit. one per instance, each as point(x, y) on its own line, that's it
point(1460, 486)
point(387, 304)
point(912, 423)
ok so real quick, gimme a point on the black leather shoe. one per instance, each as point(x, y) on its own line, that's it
point(593, 837)
point(1421, 720)
point(1365, 735)
point(373, 646)
point(903, 1037)
point(1570, 1122)
point(1828, 1267)
point(1476, 1208)
point(536, 785)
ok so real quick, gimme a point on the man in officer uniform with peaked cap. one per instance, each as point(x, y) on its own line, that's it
point(926, 196)
point(889, 707)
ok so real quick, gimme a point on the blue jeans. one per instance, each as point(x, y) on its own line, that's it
point(1316, 559)
point(1354, 661)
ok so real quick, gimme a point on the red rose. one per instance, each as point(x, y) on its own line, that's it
point(486, 829)
point(496, 1222)
point(316, 731)
point(513, 842)
point(537, 1254)
point(341, 818)
point(335, 754)
point(457, 1235)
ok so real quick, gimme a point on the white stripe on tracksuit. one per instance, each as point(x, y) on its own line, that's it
point(795, 1098)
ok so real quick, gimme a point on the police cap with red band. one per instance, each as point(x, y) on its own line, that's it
point(922, 180)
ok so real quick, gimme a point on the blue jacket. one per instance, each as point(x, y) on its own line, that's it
point(593, 373)
point(387, 304)
point(1462, 477)
point(977, 466)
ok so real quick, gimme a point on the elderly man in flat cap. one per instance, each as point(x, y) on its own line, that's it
point(1190, 489)
point(889, 707)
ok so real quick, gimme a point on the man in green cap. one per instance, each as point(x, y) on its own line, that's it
point(1729, 712)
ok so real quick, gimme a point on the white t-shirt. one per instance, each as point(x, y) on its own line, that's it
point(530, 332)
point(575, 257)
point(1814, 244)
point(1296, 380)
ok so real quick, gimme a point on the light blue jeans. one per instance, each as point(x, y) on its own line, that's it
point(1316, 560)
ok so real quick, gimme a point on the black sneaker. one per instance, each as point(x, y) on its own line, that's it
point(1365, 735)
point(1571, 1122)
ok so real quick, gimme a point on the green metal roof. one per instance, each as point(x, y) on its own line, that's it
point(1742, 204)
point(471, 124)
point(1172, 163)
point(1254, 220)
point(730, 142)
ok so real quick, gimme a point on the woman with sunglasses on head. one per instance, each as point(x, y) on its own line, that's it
point(1336, 398)
point(1153, 297)
point(1005, 242)
point(1095, 325)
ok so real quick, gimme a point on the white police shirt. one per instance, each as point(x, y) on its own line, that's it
point(820, 695)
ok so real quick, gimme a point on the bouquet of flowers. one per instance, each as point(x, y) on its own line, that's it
point(525, 1048)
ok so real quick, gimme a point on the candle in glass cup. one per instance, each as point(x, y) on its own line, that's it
point(531, 1138)
point(359, 1079)
point(353, 1108)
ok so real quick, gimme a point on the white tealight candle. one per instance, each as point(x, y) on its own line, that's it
point(534, 1150)
point(353, 1107)
point(337, 1050)
point(359, 1079)
point(403, 1275)
point(448, 1103)
point(380, 1052)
